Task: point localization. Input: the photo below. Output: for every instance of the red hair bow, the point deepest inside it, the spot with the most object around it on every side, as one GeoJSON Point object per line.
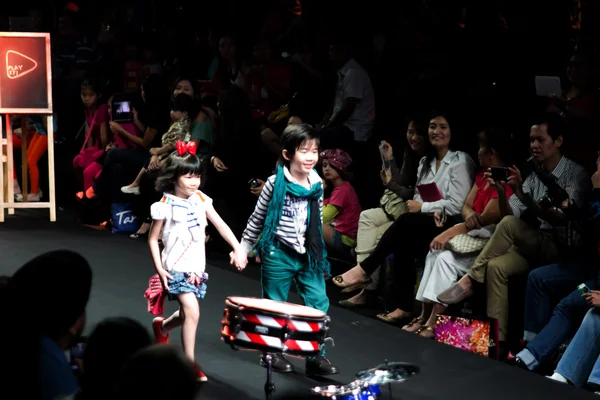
{"type": "Point", "coordinates": [186, 147]}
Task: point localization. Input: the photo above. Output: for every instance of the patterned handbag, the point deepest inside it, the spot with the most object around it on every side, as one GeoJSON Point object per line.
{"type": "Point", "coordinates": [466, 244]}
{"type": "Point", "coordinates": [393, 205]}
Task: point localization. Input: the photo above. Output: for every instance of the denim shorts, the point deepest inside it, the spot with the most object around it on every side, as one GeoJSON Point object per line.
{"type": "Point", "coordinates": [180, 284]}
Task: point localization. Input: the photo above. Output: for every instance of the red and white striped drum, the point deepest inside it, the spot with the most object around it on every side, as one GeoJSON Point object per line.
{"type": "Point", "coordinates": [273, 326]}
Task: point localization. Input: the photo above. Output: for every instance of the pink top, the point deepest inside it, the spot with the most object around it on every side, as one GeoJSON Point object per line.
{"type": "Point", "coordinates": [344, 198]}
{"type": "Point", "coordinates": [485, 194]}
{"type": "Point", "coordinates": [94, 121]}
{"type": "Point", "coordinates": [125, 143]}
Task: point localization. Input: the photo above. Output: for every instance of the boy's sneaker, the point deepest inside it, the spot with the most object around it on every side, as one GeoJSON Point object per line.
{"type": "Point", "coordinates": [200, 376]}
{"type": "Point", "coordinates": [159, 337]}
{"type": "Point", "coordinates": [278, 363]}
{"type": "Point", "coordinates": [320, 366]}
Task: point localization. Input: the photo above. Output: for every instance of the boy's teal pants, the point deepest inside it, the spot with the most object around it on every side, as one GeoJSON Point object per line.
{"type": "Point", "coordinates": [282, 265]}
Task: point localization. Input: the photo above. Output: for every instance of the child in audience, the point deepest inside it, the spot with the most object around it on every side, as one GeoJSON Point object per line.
{"type": "Point", "coordinates": [118, 141]}
{"type": "Point", "coordinates": [342, 209]}
{"type": "Point", "coordinates": [96, 134]}
{"type": "Point", "coordinates": [37, 144]}
{"type": "Point", "coordinates": [180, 219]}
{"type": "Point", "coordinates": [182, 113]}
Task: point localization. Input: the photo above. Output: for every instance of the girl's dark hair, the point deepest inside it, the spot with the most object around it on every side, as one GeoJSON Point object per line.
{"type": "Point", "coordinates": [185, 103]}
{"type": "Point", "coordinates": [421, 124]}
{"type": "Point", "coordinates": [174, 167]}
{"type": "Point", "coordinates": [293, 137]}
{"type": "Point", "coordinates": [98, 86]}
{"type": "Point", "coordinates": [104, 358]}
{"type": "Point", "coordinates": [500, 141]}
{"type": "Point", "coordinates": [194, 82]}
{"type": "Point", "coordinates": [431, 152]}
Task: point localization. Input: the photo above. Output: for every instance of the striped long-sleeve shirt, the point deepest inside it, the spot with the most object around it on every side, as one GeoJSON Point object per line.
{"type": "Point", "coordinates": [293, 223]}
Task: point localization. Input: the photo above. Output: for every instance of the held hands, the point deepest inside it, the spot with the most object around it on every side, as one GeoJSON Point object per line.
{"type": "Point", "coordinates": [593, 298]}
{"type": "Point", "coordinates": [238, 258]}
{"type": "Point", "coordinates": [414, 206]}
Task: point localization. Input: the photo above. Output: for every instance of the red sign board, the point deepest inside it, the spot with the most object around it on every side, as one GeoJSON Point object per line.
{"type": "Point", "coordinates": [25, 73]}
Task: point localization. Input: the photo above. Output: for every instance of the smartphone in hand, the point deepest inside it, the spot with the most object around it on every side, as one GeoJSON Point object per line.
{"type": "Point", "coordinates": [500, 174]}
{"type": "Point", "coordinates": [583, 289]}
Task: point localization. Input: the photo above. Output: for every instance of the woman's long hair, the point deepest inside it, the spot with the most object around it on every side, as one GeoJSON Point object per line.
{"type": "Point", "coordinates": [431, 152]}
{"type": "Point", "coordinates": [421, 124]}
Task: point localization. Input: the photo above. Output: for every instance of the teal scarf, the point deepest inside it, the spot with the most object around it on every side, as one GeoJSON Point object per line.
{"type": "Point", "coordinates": [315, 246]}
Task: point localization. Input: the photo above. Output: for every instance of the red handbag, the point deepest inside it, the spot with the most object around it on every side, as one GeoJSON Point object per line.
{"type": "Point", "coordinates": [156, 295]}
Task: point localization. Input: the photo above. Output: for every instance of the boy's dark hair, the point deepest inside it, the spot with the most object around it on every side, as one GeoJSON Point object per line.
{"type": "Point", "coordinates": [293, 137]}
{"type": "Point", "coordinates": [499, 140]}
{"type": "Point", "coordinates": [556, 124]}
{"type": "Point", "coordinates": [174, 167]}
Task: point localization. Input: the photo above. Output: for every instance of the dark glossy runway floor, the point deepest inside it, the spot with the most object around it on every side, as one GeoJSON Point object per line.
{"type": "Point", "coordinates": [121, 270]}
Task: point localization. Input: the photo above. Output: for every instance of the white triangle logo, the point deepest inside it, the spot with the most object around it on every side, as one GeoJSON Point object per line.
{"type": "Point", "coordinates": [18, 64]}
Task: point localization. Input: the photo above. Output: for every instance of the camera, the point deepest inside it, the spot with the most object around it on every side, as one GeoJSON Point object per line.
{"type": "Point", "coordinates": [253, 183]}
{"type": "Point", "coordinates": [545, 202]}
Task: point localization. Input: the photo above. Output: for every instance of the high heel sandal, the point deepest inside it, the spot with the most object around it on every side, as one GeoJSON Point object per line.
{"type": "Point", "coordinates": [418, 320]}
{"type": "Point", "coordinates": [389, 319]}
{"type": "Point", "coordinates": [426, 331]}
{"type": "Point", "coordinates": [339, 282]}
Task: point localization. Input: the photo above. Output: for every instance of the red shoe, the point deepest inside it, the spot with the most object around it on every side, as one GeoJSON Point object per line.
{"type": "Point", "coordinates": [200, 376]}
{"type": "Point", "coordinates": [159, 337]}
